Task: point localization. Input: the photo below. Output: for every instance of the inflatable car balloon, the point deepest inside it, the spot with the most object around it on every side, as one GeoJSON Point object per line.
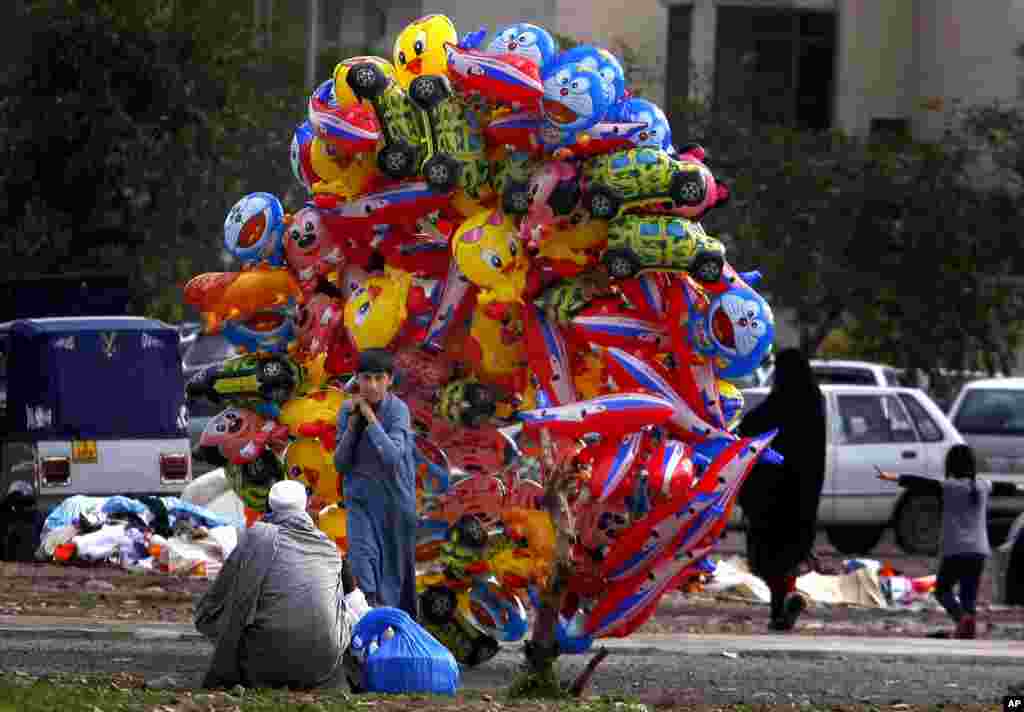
{"type": "Point", "coordinates": [376, 312]}
{"type": "Point", "coordinates": [651, 128]}
{"type": "Point", "coordinates": [525, 40]}
{"type": "Point", "coordinates": [518, 130]}
{"type": "Point", "coordinates": [299, 155]}
{"type": "Point", "coordinates": [268, 331]}
{"type": "Point", "coordinates": [242, 436]}
{"type": "Point", "coordinates": [715, 193]}
{"type": "Point", "coordinates": [310, 249]}
{"type": "Point", "coordinates": [254, 228]}
{"type": "Point", "coordinates": [487, 250]}
{"type": "Point", "coordinates": [574, 100]}
{"type": "Point", "coordinates": [610, 415]}
{"type": "Point", "coordinates": [736, 332]}
{"type": "Point", "coordinates": [601, 62]}
{"type": "Point", "coordinates": [309, 462]}
{"type": "Point", "coordinates": [221, 296]}
{"type": "Point", "coordinates": [548, 358]}
{"type": "Point", "coordinates": [350, 129]}
{"type": "Point", "coordinates": [342, 93]}
{"type": "Point", "coordinates": [507, 79]}
{"type": "Point", "coordinates": [420, 48]}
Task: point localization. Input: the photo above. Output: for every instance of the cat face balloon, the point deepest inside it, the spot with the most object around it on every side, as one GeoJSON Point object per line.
{"type": "Point", "coordinates": [253, 230]}
{"type": "Point", "coordinates": [526, 40]}
{"type": "Point", "coordinates": [604, 63]}
{"type": "Point", "coordinates": [574, 96]}
{"type": "Point", "coordinates": [655, 134]}
{"type": "Point", "coordinates": [736, 331]}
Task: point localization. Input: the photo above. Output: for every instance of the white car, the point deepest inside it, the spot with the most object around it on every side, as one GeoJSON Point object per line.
{"type": "Point", "coordinates": [989, 413]}
{"type": "Point", "coordinates": [849, 373]}
{"type": "Point", "coordinates": [896, 429]}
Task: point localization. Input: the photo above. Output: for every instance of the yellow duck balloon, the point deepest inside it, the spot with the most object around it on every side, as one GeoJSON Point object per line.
{"type": "Point", "coordinates": [419, 48]}
{"type": "Point", "coordinates": [376, 311]}
{"type": "Point", "coordinates": [487, 249]}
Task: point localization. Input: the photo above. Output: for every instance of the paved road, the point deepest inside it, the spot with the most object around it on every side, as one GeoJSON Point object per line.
{"type": "Point", "coordinates": [706, 669]}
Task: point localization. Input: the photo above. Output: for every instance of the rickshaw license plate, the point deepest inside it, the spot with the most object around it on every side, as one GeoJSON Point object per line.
{"type": "Point", "coordinates": [84, 451]}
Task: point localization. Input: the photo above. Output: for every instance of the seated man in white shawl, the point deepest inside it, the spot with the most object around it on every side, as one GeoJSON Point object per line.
{"type": "Point", "coordinates": [276, 612]}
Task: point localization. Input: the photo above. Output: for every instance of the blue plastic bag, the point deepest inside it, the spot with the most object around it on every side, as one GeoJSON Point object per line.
{"type": "Point", "coordinates": [409, 661]}
{"type": "Point", "coordinates": [180, 509]}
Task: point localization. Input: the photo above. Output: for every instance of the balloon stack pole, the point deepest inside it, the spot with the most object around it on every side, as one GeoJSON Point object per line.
{"type": "Point", "coordinates": [541, 651]}
{"type": "Point", "coordinates": [583, 679]}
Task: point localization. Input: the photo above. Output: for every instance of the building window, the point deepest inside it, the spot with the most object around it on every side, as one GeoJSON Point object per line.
{"type": "Point", "coordinates": [776, 65]}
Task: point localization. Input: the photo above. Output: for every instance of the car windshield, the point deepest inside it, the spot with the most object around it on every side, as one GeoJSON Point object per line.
{"type": "Point", "coordinates": [991, 411]}
{"type": "Point", "coordinates": [845, 376]}
{"type": "Point", "coordinates": [209, 349]}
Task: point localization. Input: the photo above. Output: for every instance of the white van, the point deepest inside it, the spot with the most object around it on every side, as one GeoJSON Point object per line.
{"type": "Point", "coordinates": [95, 406]}
{"type": "Point", "coordinates": [899, 430]}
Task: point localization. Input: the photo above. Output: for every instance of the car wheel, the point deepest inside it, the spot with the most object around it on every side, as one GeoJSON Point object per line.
{"type": "Point", "coordinates": [442, 173]}
{"type": "Point", "coordinates": [396, 161]}
{"type": "Point", "coordinates": [366, 80]}
{"type": "Point", "coordinates": [272, 371]}
{"type": "Point", "coordinates": [602, 203]}
{"type": "Point", "coordinates": [620, 264]}
{"type": "Point", "coordinates": [516, 200]}
{"type": "Point", "coordinates": [471, 532]}
{"type": "Point", "coordinates": [851, 540]}
{"type": "Point", "coordinates": [265, 470]}
{"type": "Point", "coordinates": [707, 267]}
{"type": "Point", "coordinates": [918, 523]}
{"type": "Point", "coordinates": [688, 188]}
{"type": "Point", "coordinates": [484, 648]}
{"type": "Point", "coordinates": [437, 605]}
{"type": "Point", "coordinates": [428, 92]}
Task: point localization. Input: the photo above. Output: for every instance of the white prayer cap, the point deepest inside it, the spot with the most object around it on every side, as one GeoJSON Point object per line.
{"type": "Point", "coordinates": [288, 495]}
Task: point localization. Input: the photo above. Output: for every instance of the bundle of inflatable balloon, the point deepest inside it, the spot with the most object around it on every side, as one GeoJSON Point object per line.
{"type": "Point", "coordinates": [523, 234]}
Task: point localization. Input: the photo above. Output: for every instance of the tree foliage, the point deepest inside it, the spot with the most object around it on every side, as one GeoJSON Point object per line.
{"type": "Point", "coordinates": [911, 246]}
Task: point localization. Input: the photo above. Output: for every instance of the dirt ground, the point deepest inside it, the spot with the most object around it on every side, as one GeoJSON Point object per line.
{"type": "Point", "coordinates": [104, 593]}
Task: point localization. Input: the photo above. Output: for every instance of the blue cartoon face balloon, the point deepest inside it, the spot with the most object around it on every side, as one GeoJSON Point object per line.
{"type": "Point", "coordinates": [604, 63]}
{"type": "Point", "coordinates": [574, 99]}
{"type": "Point", "coordinates": [530, 41]}
{"type": "Point", "coordinates": [254, 230]}
{"type": "Point", "coordinates": [736, 331]}
{"type": "Point", "coordinates": [656, 134]}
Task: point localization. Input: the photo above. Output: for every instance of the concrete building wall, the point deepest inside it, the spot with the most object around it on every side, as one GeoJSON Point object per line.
{"type": "Point", "coordinates": [874, 63]}
{"type": "Point", "coordinates": [642, 25]}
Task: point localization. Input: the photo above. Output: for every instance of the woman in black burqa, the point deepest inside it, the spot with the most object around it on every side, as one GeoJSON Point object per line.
{"type": "Point", "coordinates": [781, 501]}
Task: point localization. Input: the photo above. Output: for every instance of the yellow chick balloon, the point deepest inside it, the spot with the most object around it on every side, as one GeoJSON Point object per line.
{"type": "Point", "coordinates": [419, 48]}
{"type": "Point", "coordinates": [343, 94]}
{"type": "Point", "coordinates": [333, 521]}
{"type": "Point", "coordinates": [487, 249]}
{"type": "Point", "coordinates": [376, 311]}
{"type": "Point", "coordinates": [307, 461]}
